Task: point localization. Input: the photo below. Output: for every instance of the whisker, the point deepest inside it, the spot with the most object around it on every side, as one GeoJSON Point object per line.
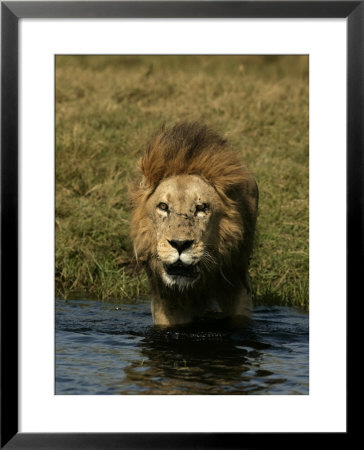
{"type": "Point", "coordinates": [224, 277]}
{"type": "Point", "coordinates": [208, 259]}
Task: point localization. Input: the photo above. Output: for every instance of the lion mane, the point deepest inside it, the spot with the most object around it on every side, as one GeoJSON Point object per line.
{"type": "Point", "coordinates": [194, 151]}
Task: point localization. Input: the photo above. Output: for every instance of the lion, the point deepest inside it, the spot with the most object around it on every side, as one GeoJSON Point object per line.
{"type": "Point", "coordinates": [194, 211]}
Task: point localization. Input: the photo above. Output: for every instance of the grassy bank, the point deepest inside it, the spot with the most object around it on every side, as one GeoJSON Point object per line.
{"type": "Point", "coordinates": [106, 109]}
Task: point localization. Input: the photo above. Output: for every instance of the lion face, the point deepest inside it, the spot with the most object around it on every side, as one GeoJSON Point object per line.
{"type": "Point", "coordinates": [182, 210]}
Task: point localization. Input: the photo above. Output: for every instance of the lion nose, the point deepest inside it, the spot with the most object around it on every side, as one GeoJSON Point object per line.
{"type": "Point", "coordinates": [181, 245]}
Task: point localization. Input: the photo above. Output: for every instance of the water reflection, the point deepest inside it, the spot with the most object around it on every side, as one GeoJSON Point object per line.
{"type": "Point", "coordinates": [201, 362]}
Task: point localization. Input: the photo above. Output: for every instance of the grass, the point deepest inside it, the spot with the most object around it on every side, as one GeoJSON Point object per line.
{"type": "Point", "coordinates": [107, 107]}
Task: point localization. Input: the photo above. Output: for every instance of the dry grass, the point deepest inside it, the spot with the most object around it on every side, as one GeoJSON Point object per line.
{"type": "Point", "coordinates": [106, 109]}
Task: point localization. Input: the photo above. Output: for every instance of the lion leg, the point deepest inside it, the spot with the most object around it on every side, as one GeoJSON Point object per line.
{"type": "Point", "coordinates": [165, 316]}
{"type": "Point", "coordinates": [244, 302]}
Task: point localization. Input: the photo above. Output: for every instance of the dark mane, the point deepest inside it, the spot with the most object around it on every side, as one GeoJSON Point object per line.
{"type": "Point", "coordinates": [192, 148]}
{"type": "Point", "coordinates": [191, 138]}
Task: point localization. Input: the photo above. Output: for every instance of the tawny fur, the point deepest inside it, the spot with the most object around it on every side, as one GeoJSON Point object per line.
{"type": "Point", "coordinates": [186, 154]}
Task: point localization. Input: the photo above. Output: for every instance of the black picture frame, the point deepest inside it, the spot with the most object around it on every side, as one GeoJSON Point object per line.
{"type": "Point", "coordinates": [11, 12]}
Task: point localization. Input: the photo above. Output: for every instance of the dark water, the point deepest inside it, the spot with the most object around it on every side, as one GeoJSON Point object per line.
{"type": "Point", "coordinates": [103, 348]}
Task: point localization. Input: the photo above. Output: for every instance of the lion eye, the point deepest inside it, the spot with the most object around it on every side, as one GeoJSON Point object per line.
{"type": "Point", "coordinates": [163, 206]}
{"type": "Point", "coordinates": [203, 207]}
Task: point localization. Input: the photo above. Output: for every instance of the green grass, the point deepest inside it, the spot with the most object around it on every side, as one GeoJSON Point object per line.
{"type": "Point", "coordinates": [107, 107]}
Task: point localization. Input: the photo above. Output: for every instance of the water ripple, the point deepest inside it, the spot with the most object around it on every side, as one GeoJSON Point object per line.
{"type": "Point", "coordinates": [114, 349]}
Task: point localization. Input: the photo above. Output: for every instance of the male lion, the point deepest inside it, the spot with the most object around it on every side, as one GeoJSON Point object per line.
{"type": "Point", "coordinates": [192, 224]}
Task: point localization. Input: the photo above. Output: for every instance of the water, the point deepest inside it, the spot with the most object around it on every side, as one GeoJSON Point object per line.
{"type": "Point", "coordinates": [104, 348]}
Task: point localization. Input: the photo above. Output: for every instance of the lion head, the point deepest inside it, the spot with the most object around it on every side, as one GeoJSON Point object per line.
{"type": "Point", "coordinates": [192, 223]}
